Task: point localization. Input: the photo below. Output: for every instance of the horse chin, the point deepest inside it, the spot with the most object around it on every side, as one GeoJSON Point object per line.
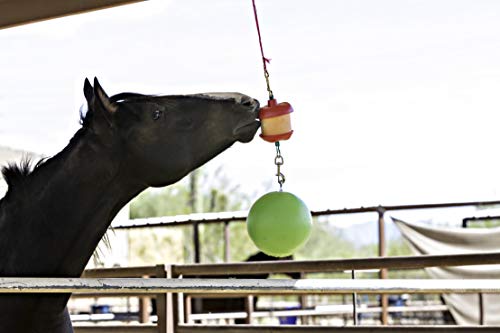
{"type": "Point", "coordinates": [247, 132]}
{"type": "Point", "coordinates": [159, 184]}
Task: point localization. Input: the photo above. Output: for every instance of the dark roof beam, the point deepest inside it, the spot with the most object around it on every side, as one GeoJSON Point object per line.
{"type": "Point", "coordinates": [18, 12]}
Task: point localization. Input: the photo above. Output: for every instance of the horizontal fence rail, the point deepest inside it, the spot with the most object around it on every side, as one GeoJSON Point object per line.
{"type": "Point", "coordinates": [123, 272]}
{"type": "Point", "coordinates": [240, 216]}
{"type": "Point", "coordinates": [345, 309]}
{"type": "Point", "coordinates": [350, 329]}
{"type": "Point", "coordinates": [129, 328]}
{"type": "Point", "coordinates": [325, 266]}
{"type": "Point", "coordinates": [244, 286]}
{"type": "Point", "coordinates": [288, 329]}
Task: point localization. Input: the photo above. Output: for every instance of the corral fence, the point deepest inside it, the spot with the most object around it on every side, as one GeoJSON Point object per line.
{"type": "Point", "coordinates": [171, 285]}
{"type": "Point", "coordinates": [195, 220]}
{"type": "Point", "coordinates": [174, 285]}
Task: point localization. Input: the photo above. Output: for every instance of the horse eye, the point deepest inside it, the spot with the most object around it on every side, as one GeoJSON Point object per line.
{"type": "Point", "coordinates": [156, 115]}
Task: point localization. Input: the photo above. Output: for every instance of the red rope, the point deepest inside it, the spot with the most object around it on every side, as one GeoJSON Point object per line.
{"type": "Point", "coordinates": [265, 60]}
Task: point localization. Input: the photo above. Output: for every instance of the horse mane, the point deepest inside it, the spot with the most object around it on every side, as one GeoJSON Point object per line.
{"type": "Point", "coordinates": [126, 96]}
{"type": "Point", "coordinates": [17, 174]}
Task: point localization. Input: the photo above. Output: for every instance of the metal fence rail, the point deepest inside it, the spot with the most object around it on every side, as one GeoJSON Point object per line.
{"type": "Point", "coordinates": [240, 216]}
{"type": "Point", "coordinates": [289, 329]}
{"type": "Point", "coordinates": [246, 286]}
{"type": "Point", "coordinates": [324, 266]}
{"type": "Point", "coordinates": [336, 310]}
{"type": "Point", "coordinates": [130, 328]}
{"type": "Point", "coordinates": [350, 329]}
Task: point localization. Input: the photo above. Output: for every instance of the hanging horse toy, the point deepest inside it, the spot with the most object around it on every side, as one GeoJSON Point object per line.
{"type": "Point", "coordinates": [279, 222]}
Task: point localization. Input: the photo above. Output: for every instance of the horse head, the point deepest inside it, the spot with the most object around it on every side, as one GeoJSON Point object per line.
{"type": "Point", "coordinates": [54, 215]}
{"type": "Point", "coordinates": [160, 139]}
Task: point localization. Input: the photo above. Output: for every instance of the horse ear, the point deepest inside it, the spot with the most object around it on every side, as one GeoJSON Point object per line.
{"type": "Point", "coordinates": [88, 91]}
{"type": "Point", "coordinates": [102, 98]}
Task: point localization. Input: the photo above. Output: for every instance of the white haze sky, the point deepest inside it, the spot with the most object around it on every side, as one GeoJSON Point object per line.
{"type": "Point", "coordinates": [395, 101]}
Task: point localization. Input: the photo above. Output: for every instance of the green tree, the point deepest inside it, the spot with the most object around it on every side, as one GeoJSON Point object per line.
{"type": "Point", "coordinates": [486, 223]}
{"type": "Point", "coordinates": [325, 243]}
{"type": "Point", "coordinates": [212, 193]}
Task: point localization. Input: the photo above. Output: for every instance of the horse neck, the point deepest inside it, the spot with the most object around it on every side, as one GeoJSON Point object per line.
{"type": "Point", "coordinates": [75, 196]}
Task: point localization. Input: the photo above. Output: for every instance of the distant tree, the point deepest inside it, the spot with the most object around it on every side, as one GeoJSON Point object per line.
{"type": "Point", "coordinates": [214, 193]}
{"type": "Point", "coordinates": [170, 200]}
{"type": "Point", "coordinates": [486, 223]}
{"type": "Point", "coordinates": [325, 243]}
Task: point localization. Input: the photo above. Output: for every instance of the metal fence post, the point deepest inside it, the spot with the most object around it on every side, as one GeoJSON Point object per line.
{"type": "Point", "coordinates": [354, 302]}
{"type": "Point", "coordinates": [227, 242]}
{"type": "Point", "coordinates": [383, 272]}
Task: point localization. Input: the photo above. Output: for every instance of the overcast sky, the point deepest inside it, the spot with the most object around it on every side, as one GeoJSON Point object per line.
{"type": "Point", "coordinates": [395, 101]}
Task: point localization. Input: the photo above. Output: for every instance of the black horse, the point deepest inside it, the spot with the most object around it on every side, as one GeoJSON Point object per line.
{"type": "Point", "coordinates": [54, 214]}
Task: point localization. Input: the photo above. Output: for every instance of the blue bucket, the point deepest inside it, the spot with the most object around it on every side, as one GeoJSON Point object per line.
{"type": "Point", "coordinates": [289, 320]}
{"type": "Point", "coordinates": [100, 309]}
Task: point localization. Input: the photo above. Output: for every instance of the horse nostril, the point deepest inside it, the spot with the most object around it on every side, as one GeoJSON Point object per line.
{"type": "Point", "coordinates": [250, 104]}
{"type": "Point", "coordinates": [247, 102]}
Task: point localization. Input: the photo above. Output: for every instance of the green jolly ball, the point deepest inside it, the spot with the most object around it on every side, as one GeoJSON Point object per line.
{"type": "Point", "coordinates": [279, 223]}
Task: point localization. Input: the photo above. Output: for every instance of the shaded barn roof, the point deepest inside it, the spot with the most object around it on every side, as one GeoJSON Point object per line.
{"type": "Point", "coordinates": [17, 12]}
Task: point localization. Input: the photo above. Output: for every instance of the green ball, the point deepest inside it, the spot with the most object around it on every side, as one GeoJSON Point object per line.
{"type": "Point", "coordinates": [279, 223]}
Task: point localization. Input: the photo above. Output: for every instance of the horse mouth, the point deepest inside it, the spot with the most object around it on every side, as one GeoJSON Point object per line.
{"type": "Point", "coordinates": [246, 132]}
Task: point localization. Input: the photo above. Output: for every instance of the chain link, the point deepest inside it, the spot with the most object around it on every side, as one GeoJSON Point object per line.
{"type": "Point", "coordinates": [279, 161]}
{"type": "Point", "coordinates": [266, 75]}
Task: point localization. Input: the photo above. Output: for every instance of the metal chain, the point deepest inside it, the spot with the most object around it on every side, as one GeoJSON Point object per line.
{"type": "Point", "coordinates": [266, 75]}
{"type": "Point", "coordinates": [279, 161]}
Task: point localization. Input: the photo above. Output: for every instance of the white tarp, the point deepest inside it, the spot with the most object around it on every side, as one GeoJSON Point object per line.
{"type": "Point", "coordinates": [432, 241]}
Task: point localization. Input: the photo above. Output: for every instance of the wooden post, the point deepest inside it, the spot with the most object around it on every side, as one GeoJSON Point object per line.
{"type": "Point", "coordinates": [196, 242]}
{"type": "Point", "coordinates": [249, 309]}
{"type": "Point", "coordinates": [383, 272]}
{"type": "Point", "coordinates": [162, 309]}
{"type": "Point", "coordinates": [303, 304]}
{"type": "Point", "coordinates": [144, 307]}
{"type": "Point", "coordinates": [196, 302]}
{"type": "Point", "coordinates": [193, 204]}
{"type": "Point", "coordinates": [481, 309]}
{"type": "Point", "coordinates": [187, 309]}
{"type": "Point", "coordinates": [179, 300]}
{"type": "Point", "coordinates": [176, 313]}
{"type": "Point", "coordinates": [227, 242]}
